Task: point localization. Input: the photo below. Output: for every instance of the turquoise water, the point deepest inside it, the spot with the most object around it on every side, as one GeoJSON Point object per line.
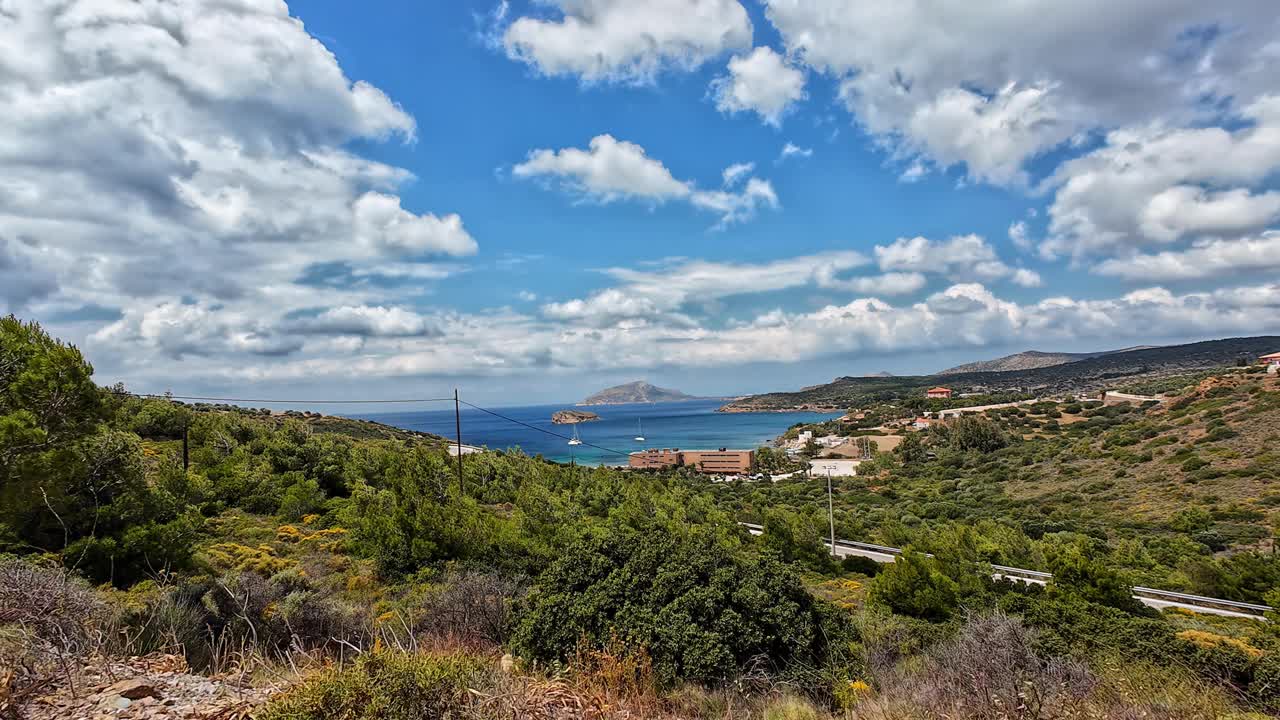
{"type": "Point", "coordinates": [692, 425]}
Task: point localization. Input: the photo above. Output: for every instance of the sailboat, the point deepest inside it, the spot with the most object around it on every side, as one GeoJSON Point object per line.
{"type": "Point", "coordinates": [576, 440]}
{"type": "Point", "coordinates": [639, 431]}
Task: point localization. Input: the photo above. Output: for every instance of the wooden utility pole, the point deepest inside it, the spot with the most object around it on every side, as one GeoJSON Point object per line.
{"type": "Point", "coordinates": [457, 422]}
{"type": "Point", "coordinates": [831, 515]}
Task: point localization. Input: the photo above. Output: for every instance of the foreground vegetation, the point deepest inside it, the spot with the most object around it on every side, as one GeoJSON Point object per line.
{"type": "Point", "coordinates": [350, 559]}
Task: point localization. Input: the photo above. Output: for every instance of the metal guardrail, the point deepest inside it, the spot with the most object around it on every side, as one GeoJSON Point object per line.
{"type": "Point", "coordinates": [1201, 600]}
{"type": "Point", "coordinates": [1138, 591]}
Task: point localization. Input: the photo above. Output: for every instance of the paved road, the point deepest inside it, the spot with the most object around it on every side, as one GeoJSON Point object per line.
{"type": "Point", "coordinates": [882, 554]}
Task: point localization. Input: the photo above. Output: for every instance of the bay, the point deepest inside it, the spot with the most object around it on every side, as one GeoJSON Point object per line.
{"type": "Point", "coordinates": [688, 425]}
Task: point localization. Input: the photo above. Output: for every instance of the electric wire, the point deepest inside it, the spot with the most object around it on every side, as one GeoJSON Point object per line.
{"type": "Point", "coordinates": [371, 402]}
{"type": "Point", "coordinates": [541, 430]}
{"type": "Point", "coordinates": [281, 402]}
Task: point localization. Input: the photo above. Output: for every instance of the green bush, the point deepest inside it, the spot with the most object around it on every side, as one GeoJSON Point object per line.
{"type": "Point", "coordinates": [914, 584]}
{"type": "Point", "coordinates": [974, 432]}
{"type": "Point", "coordinates": [383, 686]}
{"type": "Point", "coordinates": [1193, 463]}
{"type": "Point", "coordinates": [1079, 568]}
{"type": "Point", "coordinates": [1069, 626]}
{"type": "Point", "coordinates": [1191, 520]}
{"type": "Point", "coordinates": [701, 609]}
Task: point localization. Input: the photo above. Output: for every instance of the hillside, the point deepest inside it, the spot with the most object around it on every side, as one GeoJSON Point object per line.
{"type": "Point", "coordinates": [355, 428]}
{"type": "Point", "coordinates": [1030, 360]}
{"type": "Point", "coordinates": [1167, 486]}
{"type": "Point", "coordinates": [1089, 375]}
{"type": "Point", "coordinates": [635, 392]}
{"type": "Point", "coordinates": [161, 561]}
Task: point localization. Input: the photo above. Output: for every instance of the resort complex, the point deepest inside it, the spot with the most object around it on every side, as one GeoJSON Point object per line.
{"type": "Point", "coordinates": [708, 461]}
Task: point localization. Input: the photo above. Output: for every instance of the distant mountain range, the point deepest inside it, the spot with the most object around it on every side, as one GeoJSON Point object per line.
{"type": "Point", "coordinates": [1032, 359]}
{"type": "Point", "coordinates": [1088, 372]}
{"type": "Point", "coordinates": [635, 392]}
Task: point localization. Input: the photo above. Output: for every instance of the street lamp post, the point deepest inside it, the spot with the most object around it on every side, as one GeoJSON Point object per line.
{"type": "Point", "coordinates": [831, 516]}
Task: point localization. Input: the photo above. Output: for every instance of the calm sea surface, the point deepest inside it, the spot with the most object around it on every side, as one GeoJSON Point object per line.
{"type": "Point", "coordinates": [692, 425]}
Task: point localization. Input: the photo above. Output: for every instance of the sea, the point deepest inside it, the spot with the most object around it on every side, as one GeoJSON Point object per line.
{"type": "Point", "coordinates": [688, 425]}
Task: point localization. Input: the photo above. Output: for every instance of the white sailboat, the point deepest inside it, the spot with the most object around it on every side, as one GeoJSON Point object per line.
{"type": "Point", "coordinates": [575, 440]}
{"type": "Point", "coordinates": [639, 431]}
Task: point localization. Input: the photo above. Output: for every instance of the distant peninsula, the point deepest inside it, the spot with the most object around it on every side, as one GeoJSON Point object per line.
{"type": "Point", "coordinates": [636, 392]}
{"type": "Point", "coordinates": [572, 417]}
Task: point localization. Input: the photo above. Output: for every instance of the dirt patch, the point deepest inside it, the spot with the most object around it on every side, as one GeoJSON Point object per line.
{"type": "Point", "coordinates": [155, 687]}
{"type": "Point", "coordinates": [886, 443]}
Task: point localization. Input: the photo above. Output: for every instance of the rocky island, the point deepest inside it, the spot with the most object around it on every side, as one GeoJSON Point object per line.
{"type": "Point", "coordinates": [635, 392]}
{"type": "Point", "coordinates": [573, 417]}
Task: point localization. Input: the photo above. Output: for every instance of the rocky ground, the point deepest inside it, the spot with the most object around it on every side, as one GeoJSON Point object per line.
{"type": "Point", "coordinates": [156, 687]}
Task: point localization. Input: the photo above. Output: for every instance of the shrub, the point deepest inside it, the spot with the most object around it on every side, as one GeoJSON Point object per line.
{"type": "Point", "coordinates": [1191, 520]}
{"type": "Point", "coordinates": [914, 584]}
{"type": "Point", "coordinates": [699, 608]}
{"type": "Point", "coordinates": [973, 432]}
{"type": "Point", "coordinates": [1218, 656]}
{"type": "Point", "coordinates": [383, 686]}
{"type": "Point", "coordinates": [859, 564]}
{"type": "Point", "coordinates": [1193, 464]}
{"type": "Point", "coordinates": [1079, 569]}
{"type": "Point", "coordinates": [301, 498]}
{"type": "Point", "coordinates": [469, 607]}
{"type": "Point", "coordinates": [1069, 626]}
{"type": "Point", "coordinates": [47, 617]}
{"type": "Point", "coordinates": [991, 669]}
{"type": "Point", "coordinates": [1265, 685]}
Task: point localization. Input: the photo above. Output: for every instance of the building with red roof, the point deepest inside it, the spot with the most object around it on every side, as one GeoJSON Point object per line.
{"type": "Point", "coordinates": [938, 393]}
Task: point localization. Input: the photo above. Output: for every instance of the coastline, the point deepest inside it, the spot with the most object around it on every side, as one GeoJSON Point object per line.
{"type": "Point", "coordinates": [608, 441]}
{"type": "Point", "coordinates": [731, 408]}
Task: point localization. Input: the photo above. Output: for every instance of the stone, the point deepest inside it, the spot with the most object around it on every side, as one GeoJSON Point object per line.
{"type": "Point", "coordinates": [134, 689]}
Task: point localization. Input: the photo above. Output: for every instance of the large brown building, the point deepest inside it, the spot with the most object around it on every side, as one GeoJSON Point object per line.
{"type": "Point", "coordinates": [709, 461]}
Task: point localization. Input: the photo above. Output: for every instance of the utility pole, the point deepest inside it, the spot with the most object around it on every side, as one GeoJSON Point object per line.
{"type": "Point", "coordinates": [457, 422]}
{"type": "Point", "coordinates": [831, 515]}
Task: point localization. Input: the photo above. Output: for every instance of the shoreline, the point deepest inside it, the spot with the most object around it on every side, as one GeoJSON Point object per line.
{"type": "Point", "coordinates": [732, 409]}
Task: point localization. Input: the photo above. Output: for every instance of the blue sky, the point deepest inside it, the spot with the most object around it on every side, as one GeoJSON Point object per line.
{"type": "Point", "coordinates": [532, 200]}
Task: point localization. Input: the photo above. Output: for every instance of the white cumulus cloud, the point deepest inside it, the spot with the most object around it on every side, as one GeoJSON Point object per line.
{"type": "Point", "coordinates": [609, 170]}
{"type": "Point", "coordinates": [1152, 185]}
{"type": "Point", "coordinates": [187, 167]}
{"type": "Point", "coordinates": [626, 41]}
{"type": "Point", "coordinates": [761, 82]}
{"type": "Point", "coordinates": [1205, 259]}
{"type": "Point", "coordinates": [992, 85]}
{"type": "Point", "coordinates": [961, 258]}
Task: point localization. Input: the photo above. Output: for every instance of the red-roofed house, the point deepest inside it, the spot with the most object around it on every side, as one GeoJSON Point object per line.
{"type": "Point", "coordinates": [1273, 360]}
{"type": "Point", "coordinates": [938, 392]}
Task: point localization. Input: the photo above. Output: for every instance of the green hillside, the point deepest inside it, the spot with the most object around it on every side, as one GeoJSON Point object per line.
{"type": "Point", "coordinates": [304, 568]}
{"type": "Point", "coordinates": [1089, 375]}
{"type": "Point", "coordinates": [1174, 491]}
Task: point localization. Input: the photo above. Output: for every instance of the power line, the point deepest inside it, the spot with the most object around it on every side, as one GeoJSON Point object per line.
{"type": "Point", "coordinates": [541, 430]}
{"type": "Point", "coordinates": [282, 402]}
{"type": "Point", "coordinates": [368, 402]}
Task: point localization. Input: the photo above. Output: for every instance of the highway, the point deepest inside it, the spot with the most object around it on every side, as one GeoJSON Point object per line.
{"type": "Point", "coordinates": [1151, 597]}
